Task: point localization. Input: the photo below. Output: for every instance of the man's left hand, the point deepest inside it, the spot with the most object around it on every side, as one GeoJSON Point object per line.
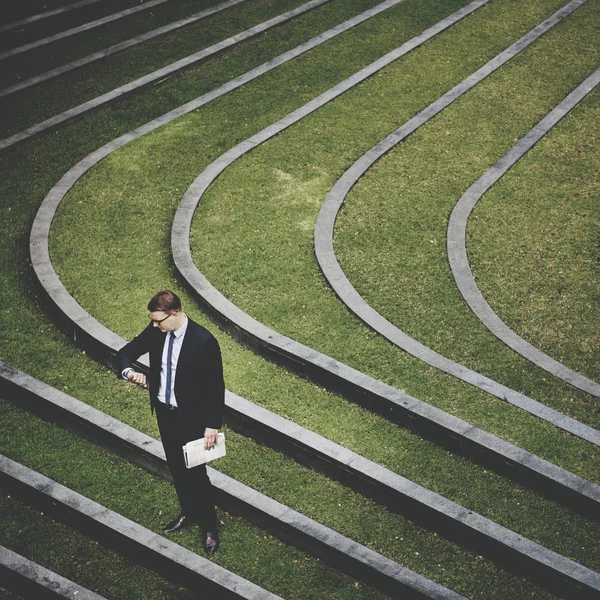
{"type": "Point", "coordinates": [210, 437]}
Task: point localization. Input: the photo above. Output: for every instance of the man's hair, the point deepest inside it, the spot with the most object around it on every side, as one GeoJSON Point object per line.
{"type": "Point", "coordinates": [164, 301]}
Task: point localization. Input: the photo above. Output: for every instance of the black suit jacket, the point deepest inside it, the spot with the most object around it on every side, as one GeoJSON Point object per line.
{"type": "Point", "coordinates": [199, 385]}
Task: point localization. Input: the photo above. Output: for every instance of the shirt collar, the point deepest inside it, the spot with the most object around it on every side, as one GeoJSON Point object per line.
{"type": "Point", "coordinates": [181, 331]}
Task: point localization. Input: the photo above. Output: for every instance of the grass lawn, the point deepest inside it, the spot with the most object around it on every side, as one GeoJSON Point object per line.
{"type": "Point", "coordinates": [274, 275]}
{"type": "Point", "coordinates": [112, 272]}
{"type": "Point", "coordinates": [137, 495]}
{"type": "Point", "coordinates": [533, 243]}
{"type": "Point", "coordinates": [246, 550]}
{"type": "Point", "coordinates": [35, 104]}
{"type": "Point", "coordinates": [69, 553]}
{"type": "Point", "coordinates": [39, 60]}
{"type": "Point", "coordinates": [97, 258]}
{"type": "Point", "coordinates": [399, 212]}
{"type": "Point", "coordinates": [52, 25]}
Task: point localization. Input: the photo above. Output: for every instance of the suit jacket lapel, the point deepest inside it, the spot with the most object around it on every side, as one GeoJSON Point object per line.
{"type": "Point", "coordinates": [184, 354]}
{"type": "Point", "coordinates": [157, 350]}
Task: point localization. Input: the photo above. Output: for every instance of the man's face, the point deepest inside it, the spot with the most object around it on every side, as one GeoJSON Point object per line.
{"type": "Point", "coordinates": [165, 321]}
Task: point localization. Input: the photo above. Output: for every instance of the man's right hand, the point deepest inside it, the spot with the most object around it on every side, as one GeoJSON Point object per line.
{"type": "Point", "coordinates": [138, 379]}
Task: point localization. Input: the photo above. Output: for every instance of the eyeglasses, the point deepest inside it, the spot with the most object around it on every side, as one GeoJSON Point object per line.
{"type": "Point", "coordinates": [159, 321]}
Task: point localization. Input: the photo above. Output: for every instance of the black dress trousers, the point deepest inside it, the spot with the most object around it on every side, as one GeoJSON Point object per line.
{"type": "Point", "coordinates": [194, 490]}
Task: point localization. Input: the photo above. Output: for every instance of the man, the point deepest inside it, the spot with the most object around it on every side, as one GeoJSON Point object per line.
{"type": "Point", "coordinates": [188, 394]}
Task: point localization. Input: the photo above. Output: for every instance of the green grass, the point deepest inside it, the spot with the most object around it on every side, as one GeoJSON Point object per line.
{"type": "Point", "coordinates": [128, 490]}
{"type": "Point", "coordinates": [246, 550]}
{"type": "Point", "coordinates": [60, 52]}
{"type": "Point", "coordinates": [534, 246]}
{"type": "Point", "coordinates": [267, 267]}
{"type": "Point", "coordinates": [274, 275]}
{"type": "Point", "coordinates": [399, 213]}
{"type": "Point", "coordinates": [35, 104]}
{"type": "Point", "coordinates": [67, 552]}
{"type": "Point", "coordinates": [52, 25]}
{"type": "Point", "coordinates": [149, 176]}
{"type": "Point", "coordinates": [126, 269]}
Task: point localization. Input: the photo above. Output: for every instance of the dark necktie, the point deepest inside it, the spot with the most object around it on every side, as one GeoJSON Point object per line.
{"type": "Point", "coordinates": [169, 357]}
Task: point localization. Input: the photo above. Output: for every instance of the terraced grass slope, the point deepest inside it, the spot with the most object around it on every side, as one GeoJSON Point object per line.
{"type": "Point", "coordinates": [24, 108]}
{"type": "Point", "coordinates": [60, 548]}
{"type": "Point", "coordinates": [111, 247]}
{"type": "Point", "coordinates": [278, 270]}
{"type": "Point", "coordinates": [558, 295]}
{"type": "Point", "coordinates": [129, 491]}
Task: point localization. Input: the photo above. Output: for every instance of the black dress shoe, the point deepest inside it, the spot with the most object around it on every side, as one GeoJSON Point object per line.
{"type": "Point", "coordinates": [211, 542]}
{"type": "Point", "coordinates": [179, 523]}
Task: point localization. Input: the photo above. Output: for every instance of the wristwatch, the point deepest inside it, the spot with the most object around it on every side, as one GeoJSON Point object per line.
{"type": "Point", "coordinates": [126, 372]}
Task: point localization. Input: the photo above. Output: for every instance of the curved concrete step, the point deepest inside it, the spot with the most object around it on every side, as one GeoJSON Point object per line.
{"type": "Point", "coordinates": [457, 248]}
{"type": "Point", "coordinates": [335, 276]}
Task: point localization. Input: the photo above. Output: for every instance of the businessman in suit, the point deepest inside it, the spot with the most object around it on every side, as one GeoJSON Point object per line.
{"type": "Point", "coordinates": [187, 393]}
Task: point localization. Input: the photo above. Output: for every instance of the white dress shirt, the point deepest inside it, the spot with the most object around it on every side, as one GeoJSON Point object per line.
{"type": "Point", "coordinates": [177, 343]}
